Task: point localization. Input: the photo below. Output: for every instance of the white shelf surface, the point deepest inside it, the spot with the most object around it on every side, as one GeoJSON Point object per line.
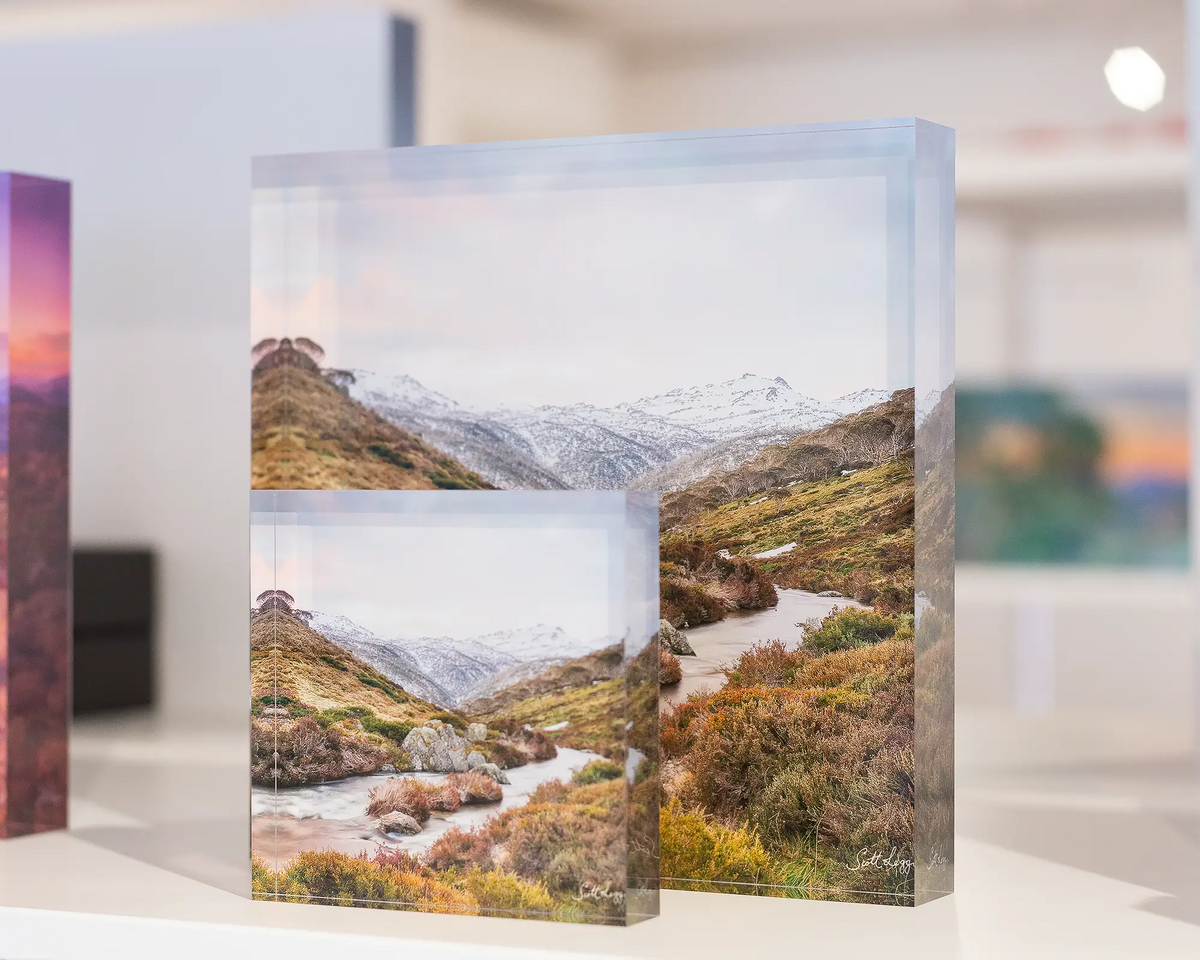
{"type": "Point", "coordinates": [156, 864]}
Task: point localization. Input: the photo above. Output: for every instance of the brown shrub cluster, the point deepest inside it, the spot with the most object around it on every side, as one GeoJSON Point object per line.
{"type": "Point", "coordinates": [406, 795]}
{"type": "Point", "coordinates": [309, 753]}
{"type": "Point", "coordinates": [566, 836]}
{"type": "Point", "coordinates": [669, 671]}
{"type": "Point", "coordinates": [515, 746]}
{"type": "Point", "coordinates": [699, 585]}
{"type": "Point", "coordinates": [685, 603]}
{"type": "Point", "coordinates": [474, 787]}
{"type": "Point", "coordinates": [460, 848]}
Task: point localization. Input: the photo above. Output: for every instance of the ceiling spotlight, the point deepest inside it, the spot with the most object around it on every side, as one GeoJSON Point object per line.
{"type": "Point", "coordinates": [1135, 78]}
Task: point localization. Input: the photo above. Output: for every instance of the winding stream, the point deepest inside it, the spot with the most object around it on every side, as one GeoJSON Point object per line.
{"type": "Point", "coordinates": [332, 816]}
{"type": "Point", "coordinates": [719, 644]}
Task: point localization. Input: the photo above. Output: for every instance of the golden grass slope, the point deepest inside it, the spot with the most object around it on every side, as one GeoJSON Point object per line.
{"type": "Point", "coordinates": [873, 436]}
{"type": "Point", "coordinates": [589, 693]}
{"type": "Point", "coordinates": [309, 436]}
{"type": "Point", "coordinates": [853, 534]}
{"type": "Point", "coordinates": [286, 653]}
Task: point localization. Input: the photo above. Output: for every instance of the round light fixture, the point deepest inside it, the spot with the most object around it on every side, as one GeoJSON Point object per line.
{"type": "Point", "coordinates": [1135, 78]}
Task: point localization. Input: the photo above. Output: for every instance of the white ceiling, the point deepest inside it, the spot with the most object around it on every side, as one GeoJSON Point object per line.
{"type": "Point", "coordinates": [639, 21]}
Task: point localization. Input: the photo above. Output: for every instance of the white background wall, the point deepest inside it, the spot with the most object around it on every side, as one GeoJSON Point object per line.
{"type": "Point", "coordinates": [1073, 260]}
{"type": "Point", "coordinates": [156, 129]}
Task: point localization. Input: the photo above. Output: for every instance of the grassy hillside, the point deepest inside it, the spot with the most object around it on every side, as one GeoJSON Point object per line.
{"type": "Point", "coordinates": [842, 494]}
{"type": "Point", "coordinates": [588, 693]}
{"type": "Point", "coordinates": [340, 717]}
{"type": "Point", "coordinates": [864, 439]}
{"type": "Point", "coordinates": [853, 534]}
{"type": "Point", "coordinates": [310, 670]}
{"type": "Point", "coordinates": [601, 665]}
{"type": "Point", "coordinates": [307, 435]}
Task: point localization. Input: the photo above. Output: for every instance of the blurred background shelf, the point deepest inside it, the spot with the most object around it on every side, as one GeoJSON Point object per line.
{"type": "Point", "coordinates": [1086, 862]}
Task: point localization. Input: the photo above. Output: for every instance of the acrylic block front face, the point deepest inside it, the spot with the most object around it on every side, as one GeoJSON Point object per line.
{"type": "Point", "coordinates": [35, 651]}
{"type": "Point", "coordinates": [453, 702]}
{"type": "Point", "coordinates": [754, 323]}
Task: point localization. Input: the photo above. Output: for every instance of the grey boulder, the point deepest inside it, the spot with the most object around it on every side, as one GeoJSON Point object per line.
{"type": "Point", "coordinates": [673, 641]}
{"type": "Point", "coordinates": [397, 822]}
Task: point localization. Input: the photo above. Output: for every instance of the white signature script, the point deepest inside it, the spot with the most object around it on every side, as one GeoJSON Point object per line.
{"type": "Point", "coordinates": [877, 858]}
{"type": "Point", "coordinates": [599, 891]}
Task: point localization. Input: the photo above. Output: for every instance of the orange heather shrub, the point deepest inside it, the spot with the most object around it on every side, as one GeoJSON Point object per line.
{"type": "Point", "coordinates": [460, 848]}
{"type": "Point", "coordinates": [669, 671]}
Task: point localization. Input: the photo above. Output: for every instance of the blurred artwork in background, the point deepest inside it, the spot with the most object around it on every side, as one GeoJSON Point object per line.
{"type": "Point", "coordinates": [1079, 474]}
{"type": "Point", "coordinates": [35, 629]}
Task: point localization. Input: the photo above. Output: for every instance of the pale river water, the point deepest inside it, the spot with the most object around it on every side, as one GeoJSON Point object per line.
{"type": "Point", "coordinates": [332, 816]}
{"type": "Point", "coordinates": [718, 645]}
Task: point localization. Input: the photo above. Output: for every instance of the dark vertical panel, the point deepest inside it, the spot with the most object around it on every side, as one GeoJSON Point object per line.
{"type": "Point", "coordinates": [404, 83]}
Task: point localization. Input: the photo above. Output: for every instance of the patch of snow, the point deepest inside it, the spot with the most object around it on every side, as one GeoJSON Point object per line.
{"type": "Point", "coordinates": [561, 725]}
{"type": "Point", "coordinates": [759, 500]}
{"type": "Point", "coordinates": [777, 552]}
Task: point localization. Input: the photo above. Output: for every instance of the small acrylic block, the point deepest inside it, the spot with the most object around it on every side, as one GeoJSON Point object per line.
{"type": "Point", "coordinates": [35, 617]}
{"type": "Point", "coordinates": [454, 701]}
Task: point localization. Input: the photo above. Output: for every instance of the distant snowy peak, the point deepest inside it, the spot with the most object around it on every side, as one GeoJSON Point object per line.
{"type": "Point", "coordinates": [749, 404]}
{"type": "Point", "coordinates": [859, 400]}
{"type": "Point", "coordinates": [400, 391]}
{"type": "Point", "coordinates": [540, 643]}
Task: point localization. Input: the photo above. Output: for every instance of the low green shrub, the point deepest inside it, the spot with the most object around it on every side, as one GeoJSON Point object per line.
{"type": "Point", "coordinates": [383, 684]}
{"type": "Point", "coordinates": [394, 730]}
{"type": "Point", "coordinates": [457, 722]}
{"type": "Point", "coordinates": [598, 771]}
{"type": "Point", "coordinates": [851, 627]}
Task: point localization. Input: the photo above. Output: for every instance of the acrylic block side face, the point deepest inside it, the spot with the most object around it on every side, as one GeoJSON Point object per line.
{"type": "Point", "coordinates": [727, 318]}
{"type": "Point", "coordinates": [36, 570]}
{"type": "Point", "coordinates": [443, 688]}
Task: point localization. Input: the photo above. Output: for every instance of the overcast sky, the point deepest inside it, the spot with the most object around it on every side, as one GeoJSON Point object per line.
{"type": "Point", "coordinates": [443, 580]}
{"type": "Point", "coordinates": [597, 296]}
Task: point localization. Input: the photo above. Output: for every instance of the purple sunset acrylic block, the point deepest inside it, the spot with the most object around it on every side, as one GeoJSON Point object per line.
{"type": "Point", "coordinates": [35, 622]}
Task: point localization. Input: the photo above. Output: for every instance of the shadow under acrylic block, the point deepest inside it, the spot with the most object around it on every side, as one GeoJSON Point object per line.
{"type": "Point", "coordinates": [35, 627]}
{"type": "Point", "coordinates": [757, 323]}
{"type": "Point", "coordinates": [454, 701]}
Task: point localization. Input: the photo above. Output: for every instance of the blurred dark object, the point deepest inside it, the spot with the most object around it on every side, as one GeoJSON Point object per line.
{"type": "Point", "coordinates": [114, 629]}
{"type": "Point", "coordinates": [1087, 474]}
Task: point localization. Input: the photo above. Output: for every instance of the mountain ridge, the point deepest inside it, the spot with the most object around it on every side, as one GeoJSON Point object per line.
{"type": "Point", "coordinates": [449, 671]}
{"type": "Point", "coordinates": [582, 446]}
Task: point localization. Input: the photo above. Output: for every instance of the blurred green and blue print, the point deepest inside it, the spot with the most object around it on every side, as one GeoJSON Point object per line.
{"type": "Point", "coordinates": [1085, 474]}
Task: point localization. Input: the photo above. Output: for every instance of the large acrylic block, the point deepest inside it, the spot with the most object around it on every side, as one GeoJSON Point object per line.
{"type": "Point", "coordinates": [758, 324]}
{"type": "Point", "coordinates": [35, 561]}
{"type": "Point", "coordinates": [454, 701]}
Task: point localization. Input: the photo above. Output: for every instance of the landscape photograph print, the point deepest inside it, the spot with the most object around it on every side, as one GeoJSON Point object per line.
{"type": "Point", "coordinates": [414, 751]}
{"type": "Point", "coordinates": [729, 343]}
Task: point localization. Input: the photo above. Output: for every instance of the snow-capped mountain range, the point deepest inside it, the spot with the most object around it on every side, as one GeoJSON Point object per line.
{"type": "Point", "coordinates": [607, 448]}
{"type": "Point", "coordinates": [449, 671]}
